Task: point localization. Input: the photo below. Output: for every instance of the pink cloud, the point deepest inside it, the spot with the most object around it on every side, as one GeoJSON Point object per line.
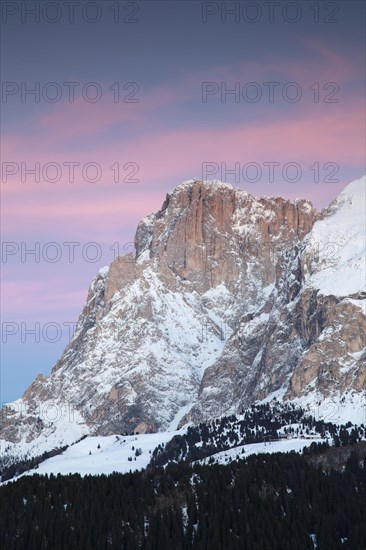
{"type": "Point", "coordinates": [303, 133]}
{"type": "Point", "coordinates": [71, 120]}
{"type": "Point", "coordinates": [335, 136]}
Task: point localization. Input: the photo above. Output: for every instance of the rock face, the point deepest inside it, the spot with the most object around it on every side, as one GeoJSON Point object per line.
{"type": "Point", "coordinates": [228, 299]}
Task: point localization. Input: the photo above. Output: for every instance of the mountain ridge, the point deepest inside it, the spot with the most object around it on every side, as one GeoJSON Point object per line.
{"type": "Point", "coordinates": [225, 292]}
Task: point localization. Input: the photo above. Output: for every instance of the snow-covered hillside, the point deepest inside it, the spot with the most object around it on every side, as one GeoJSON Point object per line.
{"type": "Point", "coordinates": [270, 447]}
{"type": "Point", "coordinates": [336, 246]}
{"type": "Point", "coordinates": [104, 455]}
{"type": "Point", "coordinates": [265, 428]}
{"type": "Point", "coordinates": [107, 454]}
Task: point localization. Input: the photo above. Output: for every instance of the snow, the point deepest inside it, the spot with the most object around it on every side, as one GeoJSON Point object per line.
{"type": "Point", "coordinates": [282, 446]}
{"type": "Point", "coordinates": [340, 408]}
{"type": "Point", "coordinates": [254, 324]}
{"type": "Point", "coordinates": [144, 256]}
{"type": "Point", "coordinates": [85, 458]}
{"type": "Point", "coordinates": [349, 406]}
{"type": "Point", "coordinates": [64, 426]}
{"type": "Point", "coordinates": [213, 184]}
{"type": "Point", "coordinates": [358, 354]}
{"type": "Point", "coordinates": [180, 414]}
{"type": "Point", "coordinates": [358, 303]}
{"type": "Point", "coordinates": [336, 246]}
{"type": "Point", "coordinates": [111, 457]}
{"type": "Point", "coordinates": [104, 271]}
{"type": "Point", "coordinates": [278, 394]}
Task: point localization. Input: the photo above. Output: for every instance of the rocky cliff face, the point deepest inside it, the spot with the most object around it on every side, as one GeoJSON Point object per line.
{"type": "Point", "coordinates": [229, 299]}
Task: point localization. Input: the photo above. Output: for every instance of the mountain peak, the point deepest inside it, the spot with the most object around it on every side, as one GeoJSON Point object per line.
{"type": "Point", "coordinates": [336, 262]}
{"type": "Point", "coordinates": [356, 188]}
{"type": "Point", "coordinates": [352, 197]}
{"type": "Point", "coordinates": [205, 230]}
{"type": "Point", "coordinates": [212, 185]}
{"type": "Point", "coordinates": [228, 300]}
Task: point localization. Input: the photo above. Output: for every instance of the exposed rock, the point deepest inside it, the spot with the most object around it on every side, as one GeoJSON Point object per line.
{"type": "Point", "coordinates": [228, 300]}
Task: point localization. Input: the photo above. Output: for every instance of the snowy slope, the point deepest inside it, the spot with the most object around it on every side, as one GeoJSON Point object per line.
{"type": "Point", "coordinates": [112, 455]}
{"type": "Point", "coordinates": [349, 406]}
{"type": "Point", "coordinates": [336, 246]}
{"type": "Point", "coordinates": [243, 451]}
{"type": "Point", "coordinates": [266, 428]}
{"type": "Point", "coordinates": [108, 454]}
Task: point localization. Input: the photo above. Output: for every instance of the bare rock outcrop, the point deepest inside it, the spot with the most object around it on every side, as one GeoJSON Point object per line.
{"type": "Point", "coordinates": [228, 300]}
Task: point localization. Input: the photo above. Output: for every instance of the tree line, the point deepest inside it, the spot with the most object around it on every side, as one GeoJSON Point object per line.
{"type": "Point", "coordinates": [267, 502]}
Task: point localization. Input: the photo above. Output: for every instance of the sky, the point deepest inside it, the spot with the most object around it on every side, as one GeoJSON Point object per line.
{"type": "Point", "coordinates": [106, 106]}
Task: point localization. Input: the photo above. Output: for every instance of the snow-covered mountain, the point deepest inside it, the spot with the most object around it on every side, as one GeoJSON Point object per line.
{"type": "Point", "coordinates": [230, 299]}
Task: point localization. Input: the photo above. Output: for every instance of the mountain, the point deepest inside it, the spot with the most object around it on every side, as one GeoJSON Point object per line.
{"type": "Point", "coordinates": [228, 300]}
